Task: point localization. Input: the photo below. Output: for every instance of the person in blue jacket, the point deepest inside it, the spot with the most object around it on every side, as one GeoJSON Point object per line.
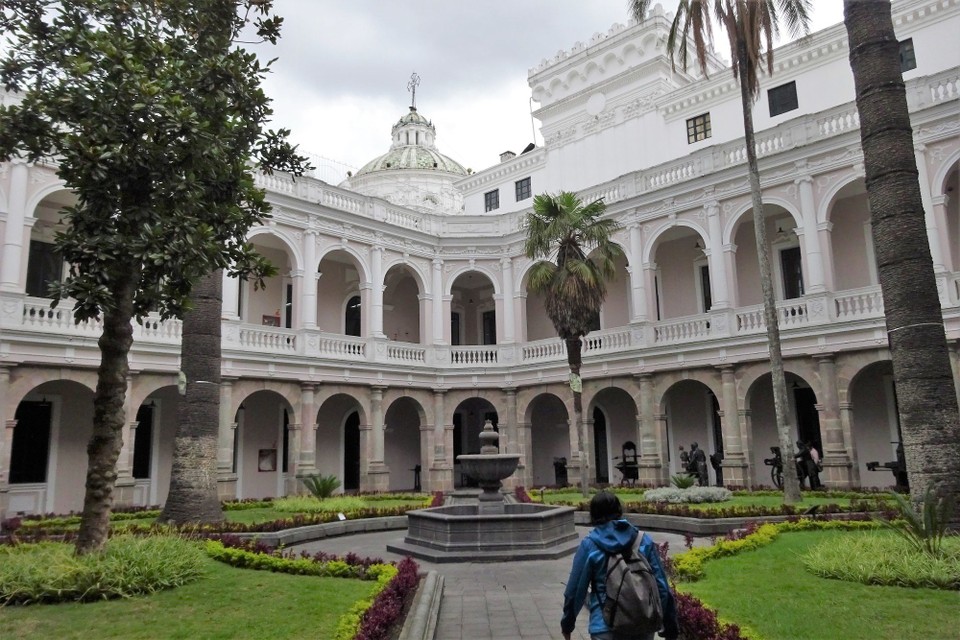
{"type": "Point", "coordinates": [611, 534]}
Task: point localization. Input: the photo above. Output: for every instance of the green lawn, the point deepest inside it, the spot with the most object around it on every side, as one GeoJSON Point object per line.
{"type": "Point", "coordinates": [228, 603]}
{"type": "Point", "coordinates": [770, 591]}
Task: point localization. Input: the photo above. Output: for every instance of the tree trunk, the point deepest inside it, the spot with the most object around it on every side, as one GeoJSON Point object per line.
{"type": "Point", "coordinates": [109, 417]}
{"type": "Point", "coordinates": [926, 398]}
{"type": "Point", "coordinates": [574, 359]}
{"type": "Point", "coordinates": [193, 494]}
{"type": "Point", "coordinates": [791, 485]}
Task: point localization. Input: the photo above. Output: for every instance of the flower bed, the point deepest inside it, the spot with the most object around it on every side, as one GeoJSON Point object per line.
{"type": "Point", "coordinates": [691, 495]}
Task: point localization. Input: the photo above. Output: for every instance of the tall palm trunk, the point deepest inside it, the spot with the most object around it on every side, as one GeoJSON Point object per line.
{"type": "Point", "coordinates": [109, 417]}
{"type": "Point", "coordinates": [193, 480]}
{"type": "Point", "coordinates": [575, 360]}
{"type": "Point", "coordinates": [791, 484]}
{"type": "Point", "coordinates": [926, 397]}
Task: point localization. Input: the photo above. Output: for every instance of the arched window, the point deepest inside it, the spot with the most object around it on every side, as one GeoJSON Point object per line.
{"type": "Point", "coordinates": [352, 317]}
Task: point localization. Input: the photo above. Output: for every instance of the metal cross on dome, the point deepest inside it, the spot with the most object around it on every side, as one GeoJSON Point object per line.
{"type": "Point", "coordinates": [412, 88]}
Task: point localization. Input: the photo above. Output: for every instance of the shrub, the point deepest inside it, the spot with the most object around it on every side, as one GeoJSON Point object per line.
{"type": "Point", "coordinates": [309, 504]}
{"type": "Point", "coordinates": [521, 495]}
{"type": "Point", "coordinates": [387, 607]}
{"type": "Point", "coordinates": [50, 572]}
{"type": "Point", "coordinates": [437, 499]}
{"type": "Point", "coordinates": [303, 565]}
{"type": "Point", "coordinates": [683, 480]}
{"type": "Point", "coordinates": [923, 528]}
{"type": "Point", "coordinates": [698, 622]}
{"type": "Point", "coordinates": [886, 560]}
{"type": "Point", "coordinates": [321, 487]}
{"type": "Point", "coordinates": [692, 495]}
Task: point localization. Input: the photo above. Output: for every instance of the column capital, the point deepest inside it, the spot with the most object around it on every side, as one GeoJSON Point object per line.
{"type": "Point", "coordinates": [804, 179]}
{"type": "Point", "coordinates": [920, 148]}
{"type": "Point", "coordinates": [296, 273]}
{"type": "Point", "coordinates": [439, 392]}
{"type": "Point", "coordinates": [506, 261]}
{"type": "Point", "coordinates": [309, 386]}
{"type": "Point", "coordinates": [825, 358]}
{"type": "Point", "coordinates": [510, 391]}
{"type": "Point", "coordinates": [379, 388]}
{"type": "Point", "coordinates": [940, 200]}
{"type": "Point", "coordinates": [712, 207]}
{"type": "Point", "coordinates": [437, 263]}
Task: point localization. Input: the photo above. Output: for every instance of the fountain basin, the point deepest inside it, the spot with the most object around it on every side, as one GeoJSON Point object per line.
{"type": "Point", "coordinates": [463, 533]}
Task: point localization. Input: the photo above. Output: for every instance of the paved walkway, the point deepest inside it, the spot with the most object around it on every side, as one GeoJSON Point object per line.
{"type": "Point", "coordinates": [489, 601]}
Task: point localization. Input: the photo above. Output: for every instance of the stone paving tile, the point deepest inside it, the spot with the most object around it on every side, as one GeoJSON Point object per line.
{"type": "Point", "coordinates": [488, 601]}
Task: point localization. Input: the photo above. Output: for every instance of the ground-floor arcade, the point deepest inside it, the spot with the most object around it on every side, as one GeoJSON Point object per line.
{"type": "Point", "coordinates": [382, 437]}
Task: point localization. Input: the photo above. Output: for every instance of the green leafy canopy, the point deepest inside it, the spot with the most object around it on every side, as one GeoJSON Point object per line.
{"type": "Point", "coordinates": [575, 284]}
{"type": "Point", "coordinates": [156, 121]}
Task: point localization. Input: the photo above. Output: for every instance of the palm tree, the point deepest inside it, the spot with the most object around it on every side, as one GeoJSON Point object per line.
{"type": "Point", "coordinates": [193, 494]}
{"type": "Point", "coordinates": [750, 26]}
{"type": "Point", "coordinates": [929, 418]}
{"type": "Point", "coordinates": [575, 286]}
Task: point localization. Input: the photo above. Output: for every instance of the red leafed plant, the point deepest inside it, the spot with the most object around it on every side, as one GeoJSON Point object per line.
{"type": "Point", "coordinates": [388, 606]}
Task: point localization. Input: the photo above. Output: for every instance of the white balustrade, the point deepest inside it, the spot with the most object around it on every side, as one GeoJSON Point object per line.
{"type": "Point", "coordinates": [273, 340]}
{"type": "Point", "coordinates": [473, 356]}
{"type": "Point", "coordinates": [549, 349]}
{"type": "Point", "coordinates": [401, 218]}
{"type": "Point", "coordinates": [675, 173]}
{"type": "Point", "coordinates": [406, 353]}
{"type": "Point", "coordinates": [859, 303]}
{"type": "Point", "coordinates": [606, 341]}
{"type": "Point", "coordinates": [343, 347]}
{"type": "Point", "coordinates": [944, 88]}
{"type": "Point", "coordinates": [682, 330]}
{"type": "Point", "coordinates": [790, 313]}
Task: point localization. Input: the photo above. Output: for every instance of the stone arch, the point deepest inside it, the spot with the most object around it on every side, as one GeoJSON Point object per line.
{"type": "Point", "coordinates": [827, 199]}
{"type": "Point", "coordinates": [283, 236]}
{"type": "Point", "coordinates": [145, 385]}
{"type": "Point", "coordinates": [38, 196]}
{"type": "Point", "coordinates": [288, 391]}
{"type": "Point", "coordinates": [943, 173]}
{"type": "Point", "coordinates": [22, 383]}
{"type": "Point", "coordinates": [612, 412]}
{"type": "Point", "coordinates": [653, 240]}
{"type": "Point", "coordinates": [690, 404]}
{"type": "Point", "coordinates": [415, 271]}
{"type": "Point", "coordinates": [483, 270]}
{"type": "Point", "coordinates": [405, 440]}
{"type": "Point", "coordinates": [359, 259]}
{"type": "Point", "coordinates": [405, 311]}
{"type": "Point", "coordinates": [874, 422]}
{"type": "Point", "coordinates": [155, 409]}
{"type": "Point", "coordinates": [338, 443]}
{"type": "Point", "coordinates": [736, 218]}
{"type": "Point", "coordinates": [548, 419]}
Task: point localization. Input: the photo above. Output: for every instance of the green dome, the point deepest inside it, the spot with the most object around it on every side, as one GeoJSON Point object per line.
{"type": "Point", "coordinates": [413, 148]}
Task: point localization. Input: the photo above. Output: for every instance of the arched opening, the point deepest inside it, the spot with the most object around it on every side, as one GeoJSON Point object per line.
{"type": "Point", "coordinates": [153, 446]}
{"type": "Point", "coordinates": [616, 306]}
{"type": "Point", "coordinates": [538, 325]}
{"type": "Point", "coordinates": [473, 315]}
{"type": "Point", "coordinates": [949, 199]}
{"type": "Point", "coordinates": [401, 442]}
{"type": "Point", "coordinates": [786, 261]}
{"type": "Point", "coordinates": [337, 442]}
{"type": "Point", "coordinates": [271, 305]}
{"type": "Point", "coordinates": [549, 440]}
{"type": "Point", "coordinates": [851, 240]}
{"type": "Point", "coordinates": [402, 306]}
{"type": "Point", "coordinates": [262, 445]}
{"type": "Point", "coordinates": [693, 416]}
{"type": "Point", "coordinates": [763, 420]}
{"type": "Point", "coordinates": [619, 419]}
{"type": "Point", "coordinates": [682, 280]}
{"type": "Point", "coordinates": [48, 455]}
{"type": "Point", "coordinates": [468, 420]}
{"type": "Point", "coordinates": [44, 264]}
{"type": "Point", "coordinates": [339, 296]}
{"type": "Point", "coordinates": [875, 422]}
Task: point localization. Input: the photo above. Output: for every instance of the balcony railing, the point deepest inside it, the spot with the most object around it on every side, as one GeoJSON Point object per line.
{"type": "Point", "coordinates": [21, 315]}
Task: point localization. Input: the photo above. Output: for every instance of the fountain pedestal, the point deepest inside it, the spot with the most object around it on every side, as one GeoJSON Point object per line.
{"type": "Point", "coordinates": [488, 530]}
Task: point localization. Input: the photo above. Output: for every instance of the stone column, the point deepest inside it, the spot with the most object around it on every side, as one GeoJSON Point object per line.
{"type": "Point", "coordinates": [376, 293]}
{"type": "Point", "coordinates": [933, 232]}
{"type": "Point", "coordinates": [746, 437]}
{"type": "Point", "coordinates": [296, 314]}
{"type": "Point", "coordinates": [123, 490]}
{"type": "Point", "coordinates": [639, 311]}
{"type": "Point", "coordinates": [730, 270]}
{"type": "Point", "coordinates": [525, 449]}
{"type": "Point", "coordinates": [940, 220]}
{"type": "Point", "coordinates": [714, 253]}
{"type": "Point", "coordinates": [231, 298]}
{"type": "Point", "coordinates": [650, 461]}
{"type": "Point", "coordinates": [7, 425]}
{"type": "Point", "coordinates": [291, 478]}
{"type": "Point", "coordinates": [227, 433]}
{"type": "Point", "coordinates": [441, 469]}
{"type": "Point", "coordinates": [308, 308]}
{"type": "Point", "coordinates": [734, 461]}
{"type": "Point", "coordinates": [836, 463]}
{"type": "Point", "coordinates": [378, 475]}
{"type": "Point", "coordinates": [509, 328]}
{"type": "Point", "coordinates": [588, 446]}
{"type": "Point", "coordinates": [11, 256]}
{"type": "Point", "coordinates": [846, 424]}
{"type": "Point", "coordinates": [307, 462]}
{"type": "Point", "coordinates": [437, 301]}
{"type": "Point", "coordinates": [508, 438]}
{"type": "Point", "coordinates": [953, 348]}
{"type": "Point", "coordinates": [813, 253]}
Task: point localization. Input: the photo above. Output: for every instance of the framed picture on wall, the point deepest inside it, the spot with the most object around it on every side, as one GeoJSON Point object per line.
{"type": "Point", "coordinates": [271, 321]}
{"type": "Point", "coordinates": [267, 460]}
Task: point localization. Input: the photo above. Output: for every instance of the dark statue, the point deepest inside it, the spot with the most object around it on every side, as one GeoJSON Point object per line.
{"type": "Point", "coordinates": [697, 466]}
{"type": "Point", "coordinates": [716, 461]}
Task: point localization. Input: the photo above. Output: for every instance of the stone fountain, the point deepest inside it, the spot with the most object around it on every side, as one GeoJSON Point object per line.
{"type": "Point", "coordinates": [488, 527]}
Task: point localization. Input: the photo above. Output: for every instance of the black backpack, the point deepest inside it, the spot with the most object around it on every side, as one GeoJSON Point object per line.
{"type": "Point", "coordinates": [632, 607]}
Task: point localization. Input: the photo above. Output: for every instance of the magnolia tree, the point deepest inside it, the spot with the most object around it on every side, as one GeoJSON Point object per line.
{"type": "Point", "coordinates": [157, 122]}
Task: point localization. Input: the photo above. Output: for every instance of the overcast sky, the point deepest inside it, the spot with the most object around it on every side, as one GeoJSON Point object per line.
{"type": "Point", "coordinates": [340, 82]}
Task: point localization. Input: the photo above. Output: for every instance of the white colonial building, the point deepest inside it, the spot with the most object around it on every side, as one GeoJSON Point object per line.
{"type": "Point", "coordinates": [401, 318]}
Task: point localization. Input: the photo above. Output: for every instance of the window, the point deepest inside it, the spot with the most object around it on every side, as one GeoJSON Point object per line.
{"type": "Point", "coordinates": [489, 322]}
{"type": "Point", "coordinates": [523, 189]}
{"type": "Point", "coordinates": [44, 267]}
{"type": "Point", "coordinates": [792, 273]}
{"type": "Point", "coordinates": [908, 58]}
{"type": "Point", "coordinates": [698, 128]}
{"type": "Point", "coordinates": [352, 317]}
{"type": "Point", "coordinates": [706, 303]}
{"type": "Point", "coordinates": [142, 442]}
{"type": "Point", "coordinates": [455, 328]}
{"type": "Point", "coordinates": [491, 200]}
{"type": "Point", "coordinates": [31, 443]}
{"type": "Point", "coordinates": [782, 98]}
